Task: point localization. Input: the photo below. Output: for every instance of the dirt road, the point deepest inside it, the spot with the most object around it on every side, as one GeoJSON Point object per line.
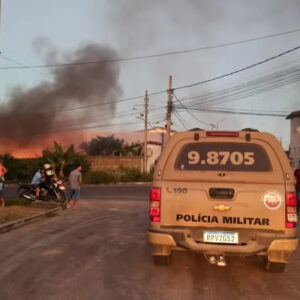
{"type": "Point", "coordinates": [100, 252]}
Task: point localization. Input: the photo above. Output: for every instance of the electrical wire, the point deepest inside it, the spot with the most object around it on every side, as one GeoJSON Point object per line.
{"type": "Point", "coordinates": [247, 89]}
{"type": "Point", "coordinates": [189, 112]}
{"type": "Point", "coordinates": [101, 125]}
{"type": "Point", "coordinates": [242, 95]}
{"type": "Point", "coordinates": [239, 70]}
{"type": "Point", "coordinates": [181, 120]}
{"type": "Point", "coordinates": [24, 66]}
{"type": "Point", "coordinates": [64, 109]}
{"type": "Point", "coordinates": [182, 87]}
{"type": "Point", "coordinates": [240, 112]}
{"type": "Point", "coordinates": [157, 54]}
{"type": "Point", "coordinates": [177, 88]}
{"type": "Point", "coordinates": [190, 85]}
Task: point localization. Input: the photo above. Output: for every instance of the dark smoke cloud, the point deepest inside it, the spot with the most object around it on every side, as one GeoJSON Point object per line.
{"type": "Point", "coordinates": [140, 25]}
{"type": "Point", "coordinates": [145, 27]}
{"type": "Point", "coordinates": [30, 114]}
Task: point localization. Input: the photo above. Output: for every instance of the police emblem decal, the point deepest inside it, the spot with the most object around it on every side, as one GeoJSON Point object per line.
{"type": "Point", "coordinates": [272, 199]}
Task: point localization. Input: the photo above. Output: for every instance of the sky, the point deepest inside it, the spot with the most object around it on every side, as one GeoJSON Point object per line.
{"type": "Point", "coordinates": [37, 32]}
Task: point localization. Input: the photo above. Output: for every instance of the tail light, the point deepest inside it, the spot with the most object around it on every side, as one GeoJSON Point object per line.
{"type": "Point", "coordinates": [155, 195]}
{"type": "Point", "coordinates": [291, 210]}
{"type": "Point", "coordinates": [223, 133]}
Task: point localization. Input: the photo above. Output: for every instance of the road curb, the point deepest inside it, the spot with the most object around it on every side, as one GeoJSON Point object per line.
{"type": "Point", "coordinates": [28, 220]}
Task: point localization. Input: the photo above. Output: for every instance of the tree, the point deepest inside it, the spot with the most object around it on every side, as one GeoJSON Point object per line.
{"type": "Point", "coordinates": [134, 149]}
{"type": "Point", "coordinates": [12, 165]}
{"type": "Point", "coordinates": [111, 145]}
{"type": "Point", "coordinates": [103, 146]}
{"type": "Point", "coordinates": [63, 161]}
{"type": "Point", "coordinates": [20, 169]}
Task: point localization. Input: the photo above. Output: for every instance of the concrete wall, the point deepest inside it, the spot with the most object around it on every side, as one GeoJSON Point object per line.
{"type": "Point", "coordinates": [114, 162]}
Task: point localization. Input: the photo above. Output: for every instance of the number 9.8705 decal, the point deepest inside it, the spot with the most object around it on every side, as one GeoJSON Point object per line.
{"type": "Point", "coordinates": [221, 158]}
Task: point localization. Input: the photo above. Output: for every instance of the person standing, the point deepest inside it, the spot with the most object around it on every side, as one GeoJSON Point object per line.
{"type": "Point", "coordinates": [75, 180]}
{"type": "Point", "coordinates": [3, 171]}
{"type": "Point", "coordinates": [297, 176]}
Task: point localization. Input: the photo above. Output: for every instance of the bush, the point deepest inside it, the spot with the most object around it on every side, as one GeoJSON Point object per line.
{"type": "Point", "coordinates": [99, 176]}
{"type": "Point", "coordinates": [131, 174]}
{"type": "Point", "coordinates": [20, 169]}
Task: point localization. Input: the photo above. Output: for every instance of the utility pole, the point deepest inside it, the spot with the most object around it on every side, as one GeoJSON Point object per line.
{"type": "Point", "coordinates": [145, 133]}
{"type": "Point", "coordinates": [169, 108]}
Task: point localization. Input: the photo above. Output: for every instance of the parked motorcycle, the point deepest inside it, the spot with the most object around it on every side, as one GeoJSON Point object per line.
{"type": "Point", "coordinates": [54, 191]}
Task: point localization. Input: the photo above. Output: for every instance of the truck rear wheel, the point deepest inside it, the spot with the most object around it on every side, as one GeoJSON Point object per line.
{"type": "Point", "coordinates": [274, 267]}
{"type": "Point", "coordinates": [162, 260]}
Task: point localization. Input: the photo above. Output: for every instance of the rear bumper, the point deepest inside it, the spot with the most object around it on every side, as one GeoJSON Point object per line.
{"type": "Point", "coordinates": [277, 248]}
{"type": "Point", "coordinates": [281, 250]}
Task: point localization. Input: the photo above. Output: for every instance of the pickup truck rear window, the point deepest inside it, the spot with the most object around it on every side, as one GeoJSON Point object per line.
{"type": "Point", "coordinates": [242, 157]}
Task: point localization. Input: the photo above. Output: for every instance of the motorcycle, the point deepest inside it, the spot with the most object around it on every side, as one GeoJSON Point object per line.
{"type": "Point", "coordinates": [54, 191]}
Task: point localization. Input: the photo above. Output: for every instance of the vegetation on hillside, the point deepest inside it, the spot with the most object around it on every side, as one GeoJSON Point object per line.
{"type": "Point", "coordinates": [64, 161]}
{"type": "Point", "coordinates": [108, 146]}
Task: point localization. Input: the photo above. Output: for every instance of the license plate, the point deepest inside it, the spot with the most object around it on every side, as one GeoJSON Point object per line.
{"type": "Point", "coordinates": [221, 237]}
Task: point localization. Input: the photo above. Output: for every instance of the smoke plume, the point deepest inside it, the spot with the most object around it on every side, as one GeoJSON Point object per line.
{"type": "Point", "coordinates": [34, 113]}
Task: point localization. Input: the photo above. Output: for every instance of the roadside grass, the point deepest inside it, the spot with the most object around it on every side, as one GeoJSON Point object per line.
{"type": "Point", "coordinates": [18, 208]}
{"type": "Point", "coordinates": [17, 201]}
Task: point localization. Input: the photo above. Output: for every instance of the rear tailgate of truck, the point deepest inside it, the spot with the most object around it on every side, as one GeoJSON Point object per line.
{"type": "Point", "coordinates": [230, 184]}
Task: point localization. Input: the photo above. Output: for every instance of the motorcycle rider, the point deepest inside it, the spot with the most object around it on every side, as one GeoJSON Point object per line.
{"type": "Point", "coordinates": [49, 175]}
{"type": "Point", "coordinates": [37, 181]}
{"type": "Point", "coordinates": [43, 178]}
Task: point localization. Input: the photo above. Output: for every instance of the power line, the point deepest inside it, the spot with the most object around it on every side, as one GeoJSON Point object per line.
{"type": "Point", "coordinates": [181, 87]}
{"type": "Point", "coordinates": [180, 119]}
{"type": "Point", "coordinates": [24, 66]}
{"type": "Point", "coordinates": [248, 89]}
{"type": "Point", "coordinates": [108, 102]}
{"type": "Point", "coordinates": [189, 112]}
{"type": "Point", "coordinates": [240, 112]}
{"type": "Point", "coordinates": [223, 96]}
{"type": "Point", "coordinates": [67, 129]}
{"type": "Point", "coordinates": [239, 70]}
{"type": "Point", "coordinates": [155, 55]}
{"type": "Point", "coordinates": [194, 84]}
{"type": "Point", "coordinates": [283, 112]}
{"type": "Point", "coordinates": [96, 126]}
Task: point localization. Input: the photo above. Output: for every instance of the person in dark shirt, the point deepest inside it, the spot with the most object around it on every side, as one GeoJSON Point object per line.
{"type": "Point", "coordinates": [297, 176]}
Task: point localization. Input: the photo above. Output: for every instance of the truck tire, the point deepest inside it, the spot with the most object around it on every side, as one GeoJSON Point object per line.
{"type": "Point", "coordinates": [162, 260]}
{"type": "Point", "coordinates": [274, 267]}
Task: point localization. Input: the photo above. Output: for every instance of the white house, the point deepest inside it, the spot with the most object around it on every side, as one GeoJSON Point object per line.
{"type": "Point", "coordinates": [295, 138]}
{"type": "Point", "coordinates": [155, 145]}
{"type": "Point", "coordinates": [153, 153]}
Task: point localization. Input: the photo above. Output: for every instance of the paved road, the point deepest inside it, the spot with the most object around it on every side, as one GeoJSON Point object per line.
{"type": "Point", "coordinates": [100, 252]}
